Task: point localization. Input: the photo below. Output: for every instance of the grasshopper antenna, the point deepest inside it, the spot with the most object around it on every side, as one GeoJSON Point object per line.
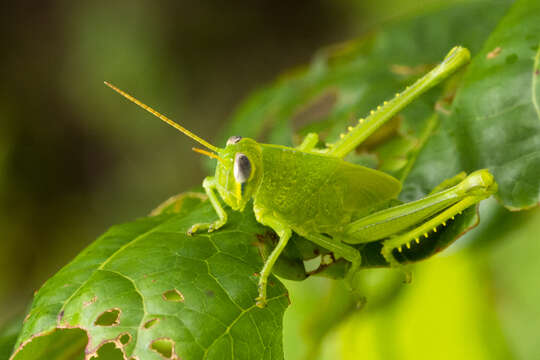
{"type": "Point", "coordinates": [207, 153]}
{"type": "Point", "coordinates": [165, 119]}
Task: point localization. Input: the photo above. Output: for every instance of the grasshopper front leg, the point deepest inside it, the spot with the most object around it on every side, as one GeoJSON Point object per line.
{"type": "Point", "coordinates": [209, 185]}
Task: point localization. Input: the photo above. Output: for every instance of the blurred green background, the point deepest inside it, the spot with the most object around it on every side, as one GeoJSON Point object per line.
{"type": "Point", "coordinates": [75, 158]}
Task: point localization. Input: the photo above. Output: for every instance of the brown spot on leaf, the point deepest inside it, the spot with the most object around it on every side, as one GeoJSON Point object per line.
{"type": "Point", "coordinates": [385, 133]}
{"type": "Point", "coordinates": [90, 302]}
{"type": "Point", "coordinates": [150, 323]}
{"type": "Point", "coordinates": [316, 110]}
{"type": "Point", "coordinates": [405, 70]}
{"type": "Point", "coordinates": [60, 317]}
{"type": "Point", "coordinates": [109, 317]}
{"type": "Point", "coordinates": [443, 105]}
{"type": "Point", "coordinates": [494, 53]}
{"type": "Point", "coordinates": [173, 295]}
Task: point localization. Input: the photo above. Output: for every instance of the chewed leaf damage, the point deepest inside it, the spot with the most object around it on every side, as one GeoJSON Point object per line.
{"type": "Point", "coordinates": [124, 309]}
{"type": "Point", "coordinates": [109, 317]}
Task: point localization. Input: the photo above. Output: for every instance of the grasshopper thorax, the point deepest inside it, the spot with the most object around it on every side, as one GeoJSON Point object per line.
{"type": "Point", "coordinates": [239, 171]}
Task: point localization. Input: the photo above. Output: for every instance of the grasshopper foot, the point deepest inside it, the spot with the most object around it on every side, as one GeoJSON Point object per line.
{"type": "Point", "coordinates": [205, 226]}
{"type": "Point", "coordinates": [352, 284]}
{"type": "Point", "coordinates": [260, 301]}
{"type": "Point", "coordinates": [197, 227]}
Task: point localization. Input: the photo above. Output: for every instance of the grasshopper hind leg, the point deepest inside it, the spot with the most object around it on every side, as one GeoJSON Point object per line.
{"type": "Point", "coordinates": [421, 232]}
{"type": "Point", "coordinates": [474, 188]}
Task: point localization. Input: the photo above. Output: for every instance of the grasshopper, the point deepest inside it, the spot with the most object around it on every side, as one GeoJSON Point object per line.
{"type": "Point", "coordinates": [333, 203]}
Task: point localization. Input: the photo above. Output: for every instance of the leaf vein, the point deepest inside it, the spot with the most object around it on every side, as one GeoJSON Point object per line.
{"type": "Point", "coordinates": [228, 329]}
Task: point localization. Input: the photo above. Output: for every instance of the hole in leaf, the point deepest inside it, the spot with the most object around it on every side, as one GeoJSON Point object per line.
{"type": "Point", "coordinates": [164, 347]}
{"type": "Point", "coordinates": [124, 338]}
{"type": "Point", "coordinates": [52, 343]}
{"type": "Point", "coordinates": [110, 317]}
{"type": "Point", "coordinates": [173, 295]}
{"type": "Point", "coordinates": [312, 264]}
{"type": "Point", "coordinates": [108, 351]}
{"type": "Point", "coordinates": [150, 323]}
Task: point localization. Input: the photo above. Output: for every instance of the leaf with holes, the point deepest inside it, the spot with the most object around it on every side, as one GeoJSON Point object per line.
{"type": "Point", "coordinates": [495, 118]}
{"type": "Point", "coordinates": [146, 290]}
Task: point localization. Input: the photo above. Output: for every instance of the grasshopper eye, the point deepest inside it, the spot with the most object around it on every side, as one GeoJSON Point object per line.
{"type": "Point", "coordinates": [242, 168]}
{"type": "Point", "coordinates": [234, 139]}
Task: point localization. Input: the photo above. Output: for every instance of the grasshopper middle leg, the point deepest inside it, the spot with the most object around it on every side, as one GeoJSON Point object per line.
{"type": "Point", "coordinates": [284, 232]}
{"type": "Point", "coordinates": [339, 248]}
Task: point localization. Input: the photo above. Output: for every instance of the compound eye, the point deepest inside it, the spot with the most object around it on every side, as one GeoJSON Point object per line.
{"type": "Point", "coordinates": [234, 139]}
{"type": "Point", "coordinates": [242, 168]}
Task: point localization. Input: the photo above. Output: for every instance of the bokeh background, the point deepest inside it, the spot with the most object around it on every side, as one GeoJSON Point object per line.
{"type": "Point", "coordinates": [75, 158]}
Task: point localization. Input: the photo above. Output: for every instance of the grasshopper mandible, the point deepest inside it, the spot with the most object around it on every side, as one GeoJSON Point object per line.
{"type": "Point", "coordinates": [316, 194]}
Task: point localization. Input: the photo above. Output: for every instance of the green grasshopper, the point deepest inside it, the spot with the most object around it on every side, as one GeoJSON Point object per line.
{"type": "Point", "coordinates": [328, 201]}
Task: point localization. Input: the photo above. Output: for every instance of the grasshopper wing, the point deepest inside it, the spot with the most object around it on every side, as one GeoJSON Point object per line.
{"type": "Point", "coordinates": [364, 188]}
{"type": "Point", "coordinates": [320, 193]}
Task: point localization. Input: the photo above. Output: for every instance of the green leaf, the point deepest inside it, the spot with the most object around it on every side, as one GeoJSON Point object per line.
{"type": "Point", "coordinates": [145, 284]}
{"type": "Point", "coordinates": [495, 118]}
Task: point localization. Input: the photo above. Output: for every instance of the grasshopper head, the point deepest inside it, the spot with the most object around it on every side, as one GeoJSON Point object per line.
{"type": "Point", "coordinates": [238, 173]}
